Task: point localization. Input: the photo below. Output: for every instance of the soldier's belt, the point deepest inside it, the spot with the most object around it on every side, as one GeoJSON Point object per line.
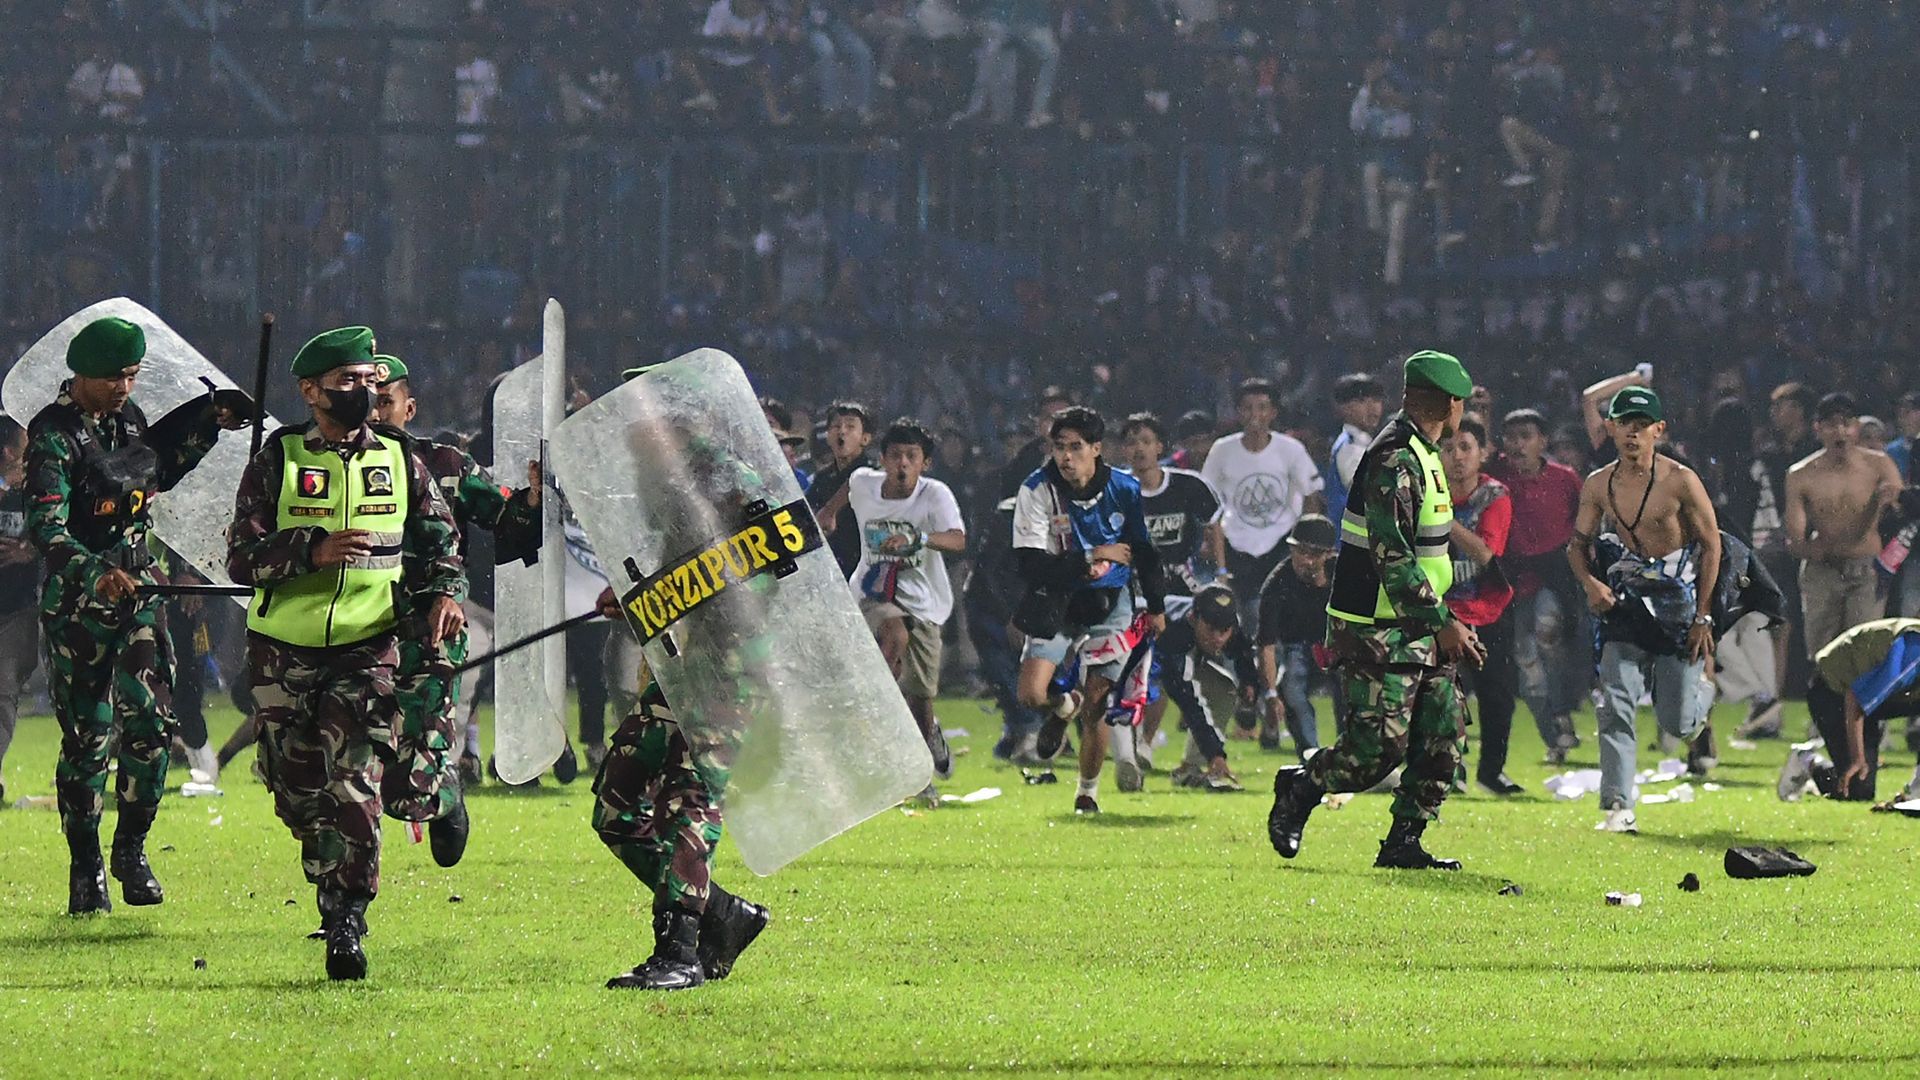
{"type": "Point", "coordinates": [771, 540]}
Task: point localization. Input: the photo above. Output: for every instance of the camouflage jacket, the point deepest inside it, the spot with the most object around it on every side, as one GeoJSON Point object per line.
{"type": "Point", "coordinates": [473, 496]}
{"type": "Point", "coordinates": [261, 554]}
{"type": "Point", "coordinates": [1389, 487]}
{"type": "Point", "coordinates": [83, 522]}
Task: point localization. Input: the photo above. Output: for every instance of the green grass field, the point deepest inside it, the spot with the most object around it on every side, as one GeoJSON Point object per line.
{"type": "Point", "coordinates": [1162, 939]}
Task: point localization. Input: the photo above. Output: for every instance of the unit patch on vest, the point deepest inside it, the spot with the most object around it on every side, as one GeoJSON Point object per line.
{"type": "Point", "coordinates": [312, 483]}
{"type": "Point", "coordinates": [377, 479]}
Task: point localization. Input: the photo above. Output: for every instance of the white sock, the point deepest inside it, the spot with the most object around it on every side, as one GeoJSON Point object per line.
{"type": "Point", "coordinates": [1089, 788]}
{"type": "Point", "coordinates": [1065, 705]}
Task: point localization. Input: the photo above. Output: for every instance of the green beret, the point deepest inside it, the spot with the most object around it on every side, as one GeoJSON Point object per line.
{"type": "Point", "coordinates": [106, 347]}
{"type": "Point", "coordinates": [1636, 401]}
{"type": "Point", "coordinates": [1440, 371]}
{"type": "Point", "coordinates": [335, 348]}
{"type": "Point", "coordinates": [392, 368]}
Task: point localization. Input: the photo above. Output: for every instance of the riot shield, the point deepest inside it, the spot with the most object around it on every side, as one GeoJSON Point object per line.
{"type": "Point", "coordinates": [743, 616]}
{"type": "Point", "coordinates": [529, 686]}
{"type": "Point", "coordinates": [192, 518]}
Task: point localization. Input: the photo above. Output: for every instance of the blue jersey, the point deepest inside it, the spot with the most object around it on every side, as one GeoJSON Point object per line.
{"type": "Point", "coordinates": [1046, 519]}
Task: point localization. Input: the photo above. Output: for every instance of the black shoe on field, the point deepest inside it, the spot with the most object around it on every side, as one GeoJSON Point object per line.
{"type": "Point", "coordinates": [1501, 785]}
{"type": "Point", "coordinates": [566, 767]}
{"type": "Point", "coordinates": [727, 927]}
{"type": "Point", "coordinates": [1294, 797]}
{"type": "Point", "coordinates": [1085, 804]}
{"type": "Point", "coordinates": [447, 836]}
{"type": "Point", "coordinates": [1401, 850]}
{"type": "Point", "coordinates": [346, 923]}
{"type": "Point", "coordinates": [138, 886]}
{"type": "Point", "coordinates": [86, 875]}
{"type": "Point", "coordinates": [1053, 733]}
{"type": "Point", "coordinates": [675, 963]}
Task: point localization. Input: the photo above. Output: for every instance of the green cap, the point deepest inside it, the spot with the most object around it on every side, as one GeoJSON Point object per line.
{"type": "Point", "coordinates": [1440, 371]}
{"type": "Point", "coordinates": [1636, 401]}
{"type": "Point", "coordinates": [392, 368]}
{"type": "Point", "coordinates": [336, 348]}
{"type": "Point", "coordinates": [106, 347]}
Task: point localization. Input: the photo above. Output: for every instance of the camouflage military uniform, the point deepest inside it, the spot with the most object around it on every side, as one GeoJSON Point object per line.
{"type": "Point", "coordinates": [657, 805]}
{"type": "Point", "coordinates": [329, 719]}
{"type": "Point", "coordinates": [107, 662]}
{"type": "Point", "coordinates": [1404, 702]}
{"type": "Point", "coordinates": [415, 789]}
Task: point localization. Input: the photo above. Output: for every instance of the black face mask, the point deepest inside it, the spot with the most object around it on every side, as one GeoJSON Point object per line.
{"type": "Point", "coordinates": [349, 408]}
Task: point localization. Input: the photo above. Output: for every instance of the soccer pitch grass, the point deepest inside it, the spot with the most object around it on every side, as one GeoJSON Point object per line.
{"type": "Point", "coordinates": [1164, 938]}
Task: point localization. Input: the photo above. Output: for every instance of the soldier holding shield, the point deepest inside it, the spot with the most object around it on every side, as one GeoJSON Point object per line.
{"type": "Point", "coordinates": [93, 465]}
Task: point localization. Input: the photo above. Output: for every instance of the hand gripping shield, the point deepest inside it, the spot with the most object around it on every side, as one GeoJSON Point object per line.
{"type": "Point", "coordinates": [745, 620]}
{"type": "Point", "coordinates": [192, 518]}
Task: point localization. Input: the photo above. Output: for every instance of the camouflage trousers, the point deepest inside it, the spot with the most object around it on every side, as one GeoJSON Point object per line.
{"type": "Point", "coordinates": [108, 667]}
{"type": "Point", "coordinates": [1397, 714]}
{"type": "Point", "coordinates": [327, 721]}
{"type": "Point", "coordinates": [422, 785]}
{"type": "Point", "coordinates": [655, 809]}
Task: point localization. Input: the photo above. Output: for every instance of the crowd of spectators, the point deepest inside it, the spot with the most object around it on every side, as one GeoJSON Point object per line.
{"type": "Point", "coordinates": [1212, 187]}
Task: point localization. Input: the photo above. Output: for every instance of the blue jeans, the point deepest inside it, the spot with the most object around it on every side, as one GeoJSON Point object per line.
{"type": "Point", "coordinates": [1681, 697]}
{"type": "Point", "coordinates": [1000, 667]}
{"type": "Point", "coordinates": [1297, 672]}
{"type": "Point", "coordinates": [1551, 654]}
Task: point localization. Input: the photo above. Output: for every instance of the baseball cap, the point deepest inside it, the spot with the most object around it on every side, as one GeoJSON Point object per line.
{"type": "Point", "coordinates": [1636, 401]}
{"type": "Point", "coordinates": [1314, 531]}
{"type": "Point", "coordinates": [1216, 607]}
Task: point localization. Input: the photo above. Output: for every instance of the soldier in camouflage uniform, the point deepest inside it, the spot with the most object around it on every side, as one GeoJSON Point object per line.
{"type": "Point", "coordinates": [657, 804]}
{"type": "Point", "coordinates": [343, 535]}
{"type": "Point", "coordinates": [424, 786]}
{"type": "Point", "coordinates": [1394, 642]}
{"type": "Point", "coordinates": [93, 464]}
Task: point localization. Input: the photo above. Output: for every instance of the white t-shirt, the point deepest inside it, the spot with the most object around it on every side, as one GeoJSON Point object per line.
{"type": "Point", "coordinates": [921, 589]}
{"type": "Point", "coordinates": [1265, 492]}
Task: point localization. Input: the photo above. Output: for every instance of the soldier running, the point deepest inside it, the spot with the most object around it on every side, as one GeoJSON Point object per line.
{"type": "Point", "coordinates": [342, 534]}
{"type": "Point", "coordinates": [1394, 641]}
{"type": "Point", "coordinates": [93, 465]}
{"type": "Point", "coordinates": [424, 785]}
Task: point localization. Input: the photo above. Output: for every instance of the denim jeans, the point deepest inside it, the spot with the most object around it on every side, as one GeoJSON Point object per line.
{"type": "Point", "coordinates": [1000, 669]}
{"type": "Point", "coordinates": [1681, 698]}
{"type": "Point", "coordinates": [1297, 672]}
{"type": "Point", "coordinates": [1551, 655]}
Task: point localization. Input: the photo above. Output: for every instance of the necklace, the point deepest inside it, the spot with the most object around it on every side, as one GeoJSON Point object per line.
{"type": "Point", "coordinates": [1653, 472]}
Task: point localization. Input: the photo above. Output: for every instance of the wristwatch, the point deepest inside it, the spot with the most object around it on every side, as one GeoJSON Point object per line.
{"type": "Point", "coordinates": [1703, 619]}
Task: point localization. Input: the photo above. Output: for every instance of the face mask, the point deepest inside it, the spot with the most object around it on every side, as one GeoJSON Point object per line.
{"type": "Point", "coordinates": [349, 408]}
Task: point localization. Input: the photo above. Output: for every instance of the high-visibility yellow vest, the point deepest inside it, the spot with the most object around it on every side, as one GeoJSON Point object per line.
{"type": "Point", "coordinates": [1358, 596]}
{"type": "Point", "coordinates": [351, 603]}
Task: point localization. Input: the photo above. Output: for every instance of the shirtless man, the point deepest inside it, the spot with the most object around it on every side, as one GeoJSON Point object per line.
{"type": "Point", "coordinates": [1658, 541]}
{"type": "Point", "coordinates": [1834, 497]}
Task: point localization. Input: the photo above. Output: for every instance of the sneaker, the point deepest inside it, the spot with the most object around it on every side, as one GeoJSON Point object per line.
{"type": "Point", "coordinates": [1501, 785]}
{"type": "Point", "coordinates": [1795, 775]}
{"type": "Point", "coordinates": [1269, 738]}
{"type": "Point", "coordinates": [1053, 731]}
{"type": "Point", "coordinates": [1703, 753]}
{"type": "Point", "coordinates": [471, 772]}
{"type": "Point", "coordinates": [1084, 804]}
{"type": "Point", "coordinates": [1128, 775]}
{"type": "Point", "coordinates": [1556, 755]}
{"type": "Point", "coordinates": [1190, 776]}
{"type": "Point", "coordinates": [1762, 722]}
{"type": "Point", "coordinates": [1143, 755]}
{"type": "Point", "coordinates": [1911, 791]}
{"type": "Point", "coordinates": [942, 756]}
{"type": "Point", "coordinates": [1617, 821]}
{"type": "Point", "coordinates": [566, 767]}
{"type": "Point", "coordinates": [1220, 783]}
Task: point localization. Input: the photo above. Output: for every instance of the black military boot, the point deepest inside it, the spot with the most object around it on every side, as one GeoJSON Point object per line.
{"type": "Point", "coordinates": [138, 886]}
{"type": "Point", "coordinates": [86, 873]}
{"type": "Point", "coordinates": [675, 963]}
{"type": "Point", "coordinates": [727, 927]}
{"type": "Point", "coordinates": [1294, 797]}
{"type": "Point", "coordinates": [346, 923]}
{"type": "Point", "coordinates": [447, 836]}
{"type": "Point", "coordinates": [1401, 850]}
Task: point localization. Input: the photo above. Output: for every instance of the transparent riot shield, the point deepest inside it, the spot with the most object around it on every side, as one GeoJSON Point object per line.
{"type": "Point", "coordinates": [192, 518]}
{"type": "Point", "coordinates": [530, 685]}
{"type": "Point", "coordinates": [744, 617]}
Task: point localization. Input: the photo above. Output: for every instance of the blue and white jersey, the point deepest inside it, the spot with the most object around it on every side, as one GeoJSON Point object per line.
{"type": "Point", "coordinates": [1045, 519]}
